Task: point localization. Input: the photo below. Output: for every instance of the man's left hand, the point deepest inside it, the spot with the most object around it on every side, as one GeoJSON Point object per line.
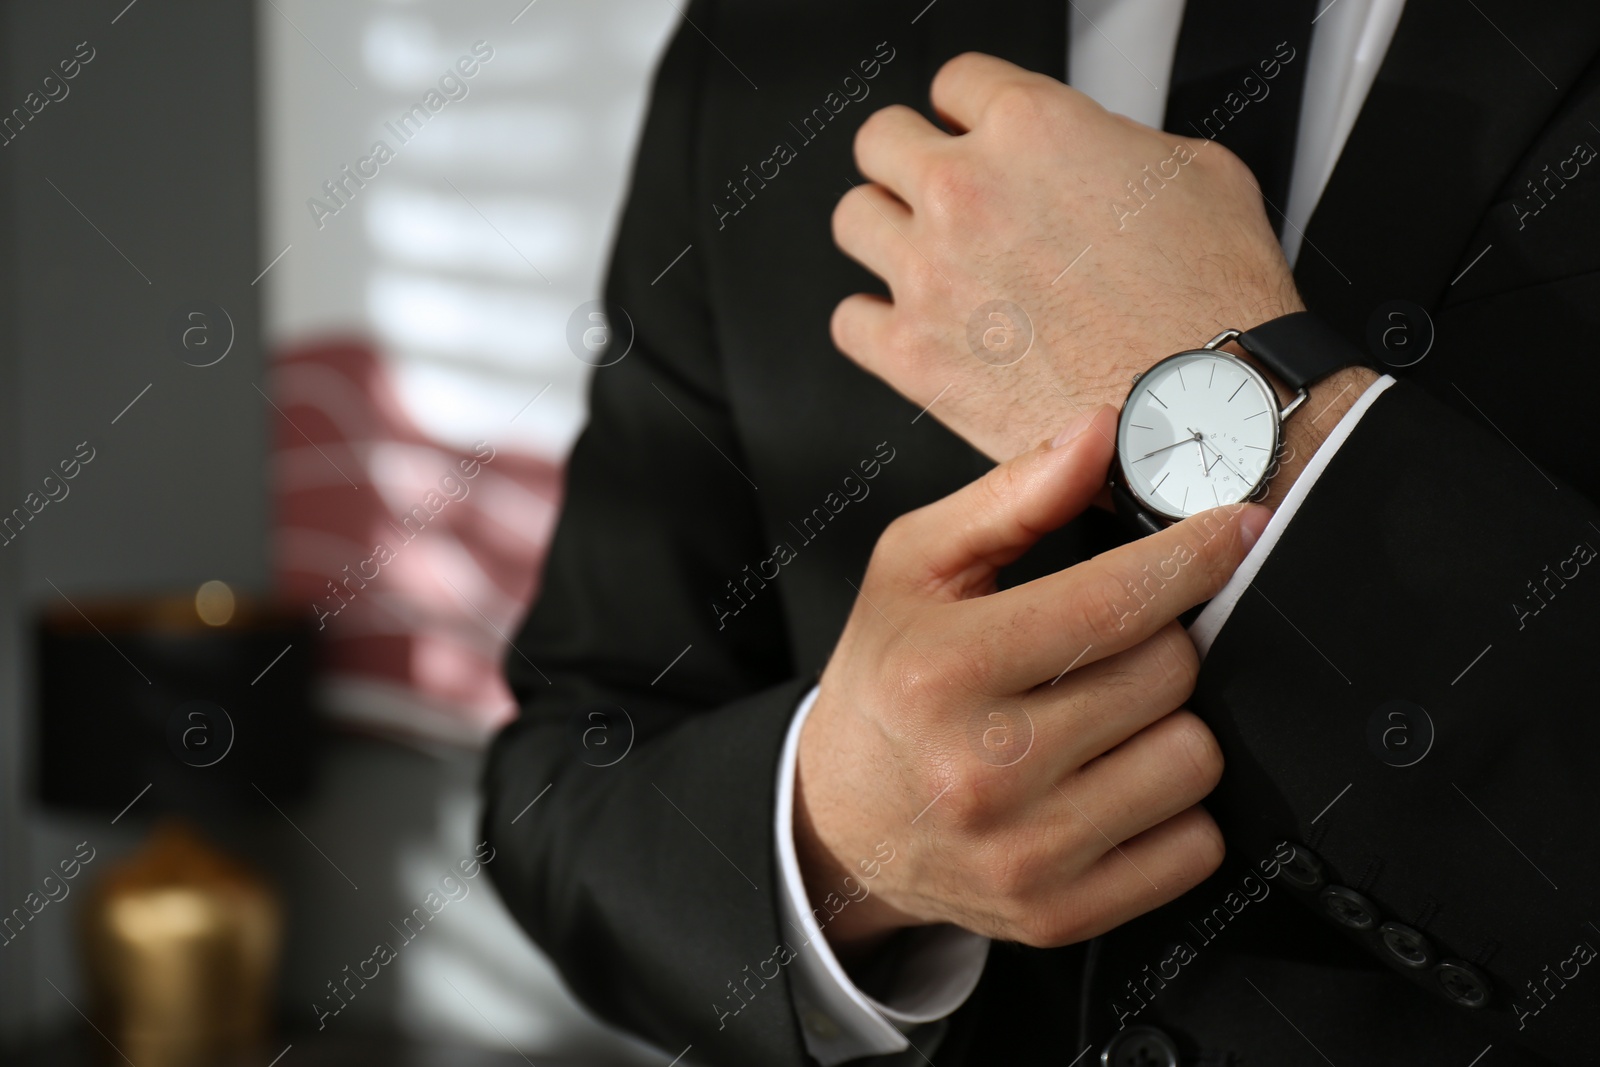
{"type": "Point", "coordinates": [1044, 253]}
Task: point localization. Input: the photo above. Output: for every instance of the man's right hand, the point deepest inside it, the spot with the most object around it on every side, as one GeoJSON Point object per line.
{"type": "Point", "coordinates": [1023, 751]}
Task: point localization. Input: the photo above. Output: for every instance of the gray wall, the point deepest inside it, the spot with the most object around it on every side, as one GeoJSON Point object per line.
{"type": "Point", "coordinates": [154, 144]}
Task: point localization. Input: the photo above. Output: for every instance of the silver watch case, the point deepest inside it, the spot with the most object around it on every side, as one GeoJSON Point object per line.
{"type": "Point", "coordinates": [1212, 348]}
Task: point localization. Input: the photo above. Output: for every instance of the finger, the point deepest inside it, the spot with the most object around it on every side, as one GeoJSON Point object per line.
{"type": "Point", "coordinates": [892, 147]}
{"type": "Point", "coordinates": [1168, 766]}
{"type": "Point", "coordinates": [869, 226]}
{"type": "Point", "coordinates": [1139, 875]}
{"type": "Point", "coordinates": [965, 87]}
{"type": "Point", "coordinates": [1032, 632]}
{"type": "Point", "coordinates": [860, 325]}
{"type": "Point", "coordinates": [952, 548]}
{"type": "Point", "coordinates": [1093, 709]}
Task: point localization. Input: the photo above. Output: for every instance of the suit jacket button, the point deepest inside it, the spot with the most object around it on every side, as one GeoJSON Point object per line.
{"type": "Point", "coordinates": [1463, 983]}
{"type": "Point", "coordinates": [1348, 908]}
{"type": "Point", "coordinates": [1139, 1046]}
{"type": "Point", "coordinates": [1303, 870]}
{"type": "Point", "coordinates": [1406, 946]}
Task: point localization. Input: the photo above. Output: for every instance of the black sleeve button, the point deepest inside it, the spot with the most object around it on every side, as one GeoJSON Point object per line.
{"type": "Point", "coordinates": [1463, 983]}
{"type": "Point", "coordinates": [1139, 1046]}
{"type": "Point", "coordinates": [1302, 870]}
{"type": "Point", "coordinates": [1406, 946]}
{"type": "Point", "coordinates": [1348, 908]}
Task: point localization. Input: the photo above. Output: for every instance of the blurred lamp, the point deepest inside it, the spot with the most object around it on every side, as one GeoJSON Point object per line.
{"type": "Point", "coordinates": [203, 698]}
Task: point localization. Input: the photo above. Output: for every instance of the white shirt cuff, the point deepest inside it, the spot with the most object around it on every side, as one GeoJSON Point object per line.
{"type": "Point", "coordinates": [937, 969]}
{"type": "Point", "coordinates": [1210, 622]}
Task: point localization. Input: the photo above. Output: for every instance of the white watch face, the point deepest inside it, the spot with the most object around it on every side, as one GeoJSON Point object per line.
{"type": "Point", "coordinates": [1198, 431]}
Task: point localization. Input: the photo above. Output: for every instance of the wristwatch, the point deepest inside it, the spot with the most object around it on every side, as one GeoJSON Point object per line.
{"type": "Point", "coordinates": [1203, 428]}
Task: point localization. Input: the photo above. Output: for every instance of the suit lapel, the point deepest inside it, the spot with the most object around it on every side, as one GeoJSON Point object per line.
{"type": "Point", "coordinates": [1464, 90]}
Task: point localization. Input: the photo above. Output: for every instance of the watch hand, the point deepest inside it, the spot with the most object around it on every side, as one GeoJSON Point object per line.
{"type": "Point", "coordinates": [1174, 444]}
{"type": "Point", "coordinates": [1230, 466]}
{"type": "Point", "coordinates": [1198, 437]}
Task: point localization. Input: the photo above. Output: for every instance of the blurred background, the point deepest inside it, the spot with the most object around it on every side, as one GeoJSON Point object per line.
{"type": "Point", "coordinates": [295, 335]}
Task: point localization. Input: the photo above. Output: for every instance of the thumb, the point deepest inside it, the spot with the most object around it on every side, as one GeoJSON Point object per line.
{"type": "Point", "coordinates": [955, 546]}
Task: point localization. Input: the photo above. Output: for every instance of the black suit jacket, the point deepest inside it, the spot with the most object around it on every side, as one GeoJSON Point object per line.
{"type": "Point", "coordinates": [650, 878]}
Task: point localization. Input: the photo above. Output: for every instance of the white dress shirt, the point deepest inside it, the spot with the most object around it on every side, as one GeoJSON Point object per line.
{"type": "Point", "coordinates": [1121, 55]}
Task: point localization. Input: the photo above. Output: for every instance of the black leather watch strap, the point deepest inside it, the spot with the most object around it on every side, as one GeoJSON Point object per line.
{"type": "Point", "coordinates": [1300, 349]}
{"type": "Point", "coordinates": [1142, 521]}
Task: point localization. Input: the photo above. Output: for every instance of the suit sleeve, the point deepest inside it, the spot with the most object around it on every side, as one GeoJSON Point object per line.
{"type": "Point", "coordinates": [631, 803]}
{"type": "Point", "coordinates": [1407, 691]}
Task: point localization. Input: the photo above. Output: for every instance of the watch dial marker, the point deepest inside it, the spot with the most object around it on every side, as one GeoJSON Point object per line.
{"type": "Point", "coordinates": [1175, 444]}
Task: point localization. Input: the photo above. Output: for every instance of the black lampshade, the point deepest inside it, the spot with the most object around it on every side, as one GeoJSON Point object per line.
{"type": "Point", "coordinates": [148, 693]}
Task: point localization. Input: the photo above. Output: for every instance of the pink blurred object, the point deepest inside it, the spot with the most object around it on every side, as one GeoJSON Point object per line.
{"type": "Point", "coordinates": [417, 559]}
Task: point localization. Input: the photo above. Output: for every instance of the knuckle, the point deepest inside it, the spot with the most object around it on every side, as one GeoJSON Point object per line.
{"type": "Point", "coordinates": [840, 220]}
{"type": "Point", "coordinates": [894, 557]}
{"type": "Point", "coordinates": [1193, 743]}
{"type": "Point", "coordinates": [1009, 869]}
{"type": "Point", "coordinates": [839, 326]}
{"type": "Point", "coordinates": [948, 188]}
{"type": "Point", "coordinates": [973, 807]}
{"type": "Point", "coordinates": [1046, 925]}
{"type": "Point", "coordinates": [955, 72]}
{"type": "Point", "coordinates": [1017, 879]}
{"type": "Point", "coordinates": [1103, 608]}
{"type": "Point", "coordinates": [1211, 541]}
{"type": "Point", "coordinates": [1037, 928]}
{"type": "Point", "coordinates": [1175, 665]}
{"type": "Point", "coordinates": [902, 339]}
{"type": "Point", "coordinates": [1224, 163]}
{"type": "Point", "coordinates": [914, 682]}
{"type": "Point", "coordinates": [968, 665]}
{"type": "Point", "coordinates": [1202, 849]}
{"type": "Point", "coordinates": [873, 126]}
{"type": "Point", "coordinates": [895, 539]}
{"type": "Point", "coordinates": [1020, 106]}
{"type": "Point", "coordinates": [998, 489]}
{"type": "Point", "coordinates": [958, 65]}
{"type": "Point", "coordinates": [959, 666]}
{"type": "Point", "coordinates": [915, 278]}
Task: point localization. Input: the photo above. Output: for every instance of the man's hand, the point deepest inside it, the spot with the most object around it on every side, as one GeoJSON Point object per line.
{"type": "Point", "coordinates": [1119, 244]}
{"type": "Point", "coordinates": [1022, 751]}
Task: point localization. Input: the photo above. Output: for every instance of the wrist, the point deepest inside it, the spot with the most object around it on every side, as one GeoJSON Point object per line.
{"type": "Point", "coordinates": [1304, 432]}
{"type": "Point", "coordinates": [838, 867]}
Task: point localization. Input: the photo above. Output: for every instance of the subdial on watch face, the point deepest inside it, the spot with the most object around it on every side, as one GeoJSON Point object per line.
{"type": "Point", "coordinates": [1198, 431]}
